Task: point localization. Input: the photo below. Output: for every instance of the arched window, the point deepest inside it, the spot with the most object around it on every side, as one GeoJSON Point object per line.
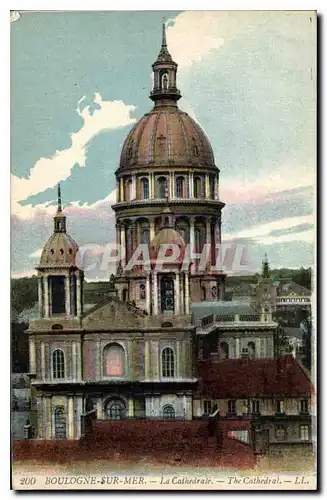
{"type": "Point", "coordinates": [167, 362]}
{"type": "Point", "coordinates": [145, 189]}
{"type": "Point", "coordinates": [203, 293]}
{"type": "Point", "coordinates": [128, 190]}
{"type": "Point", "coordinates": [125, 294]}
{"type": "Point", "coordinates": [142, 291]}
{"type": "Point", "coordinates": [199, 237]}
{"type": "Point", "coordinates": [115, 409]}
{"type": "Point", "coordinates": [214, 292]}
{"type": "Point", "coordinates": [144, 232]}
{"type": "Point", "coordinates": [197, 185]}
{"type": "Point", "coordinates": [114, 361]}
{"type": "Point", "coordinates": [195, 150]}
{"type": "Point", "coordinates": [182, 227]}
{"type": "Point", "coordinates": [212, 187]}
{"type": "Point", "coordinates": [161, 187]}
{"type": "Point", "coordinates": [164, 81]}
{"type": "Point", "coordinates": [180, 183]}
{"type": "Point", "coordinates": [168, 412]}
{"type": "Point", "coordinates": [251, 349]}
{"type": "Point", "coordinates": [58, 364]}
{"type": "Point", "coordinates": [223, 350]}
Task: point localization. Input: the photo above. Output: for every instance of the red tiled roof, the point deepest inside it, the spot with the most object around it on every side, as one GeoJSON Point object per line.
{"type": "Point", "coordinates": [253, 377]}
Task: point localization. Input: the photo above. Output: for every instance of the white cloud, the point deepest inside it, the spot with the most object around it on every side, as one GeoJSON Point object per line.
{"type": "Point", "coordinates": [195, 34]}
{"type": "Point", "coordinates": [261, 233]}
{"type": "Point", "coordinates": [14, 16]}
{"type": "Point", "coordinates": [36, 254]}
{"type": "Point", "coordinates": [305, 236]}
{"type": "Point", "coordinates": [47, 172]}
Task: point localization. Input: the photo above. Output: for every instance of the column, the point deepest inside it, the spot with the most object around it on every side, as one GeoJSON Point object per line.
{"type": "Point", "coordinates": [74, 368]}
{"type": "Point", "coordinates": [71, 417]}
{"type": "Point", "coordinates": [237, 348]}
{"type": "Point", "coordinates": [148, 294]}
{"type": "Point", "coordinates": [177, 294]}
{"type": "Point", "coordinates": [192, 242]}
{"type": "Point", "coordinates": [67, 294]}
{"type": "Point", "coordinates": [258, 348]}
{"type": "Point", "coordinates": [147, 359]}
{"type": "Point", "coordinates": [79, 361]}
{"type": "Point", "coordinates": [99, 409]}
{"type": "Point", "coordinates": [48, 418]}
{"type": "Point", "coordinates": [46, 296]}
{"type": "Point", "coordinates": [207, 187]}
{"type": "Point", "coordinates": [178, 354]}
{"type": "Point", "coordinates": [173, 185]}
{"type": "Point", "coordinates": [134, 186]}
{"type": "Point", "coordinates": [32, 353]}
{"type": "Point", "coordinates": [150, 186]}
{"type": "Point", "coordinates": [191, 185]}
{"type": "Point", "coordinates": [217, 187]}
{"type": "Point", "coordinates": [182, 295]}
{"type": "Point", "coordinates": [152, 230]}
{"type": "Point", "coordinates": [155, 293]}
{"type": "Point", "coordinates": [40, 296]}
{"type": "Point", "coordinates": [153, 194]}
{"type": "Point", "coordinates": [123, 246]}
{"type": "Point", "coordinates": [43, 374]}
{"type": "Point", "coordinates": [187, 294]}
{"type": "Point", "coordinates": [131, 407]}
{"type": "Point", "coordinates": [121, 182]}
{"type": "Point", "coordinates": [78, 295]}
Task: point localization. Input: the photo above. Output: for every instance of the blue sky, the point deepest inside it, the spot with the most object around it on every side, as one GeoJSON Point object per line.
{"type": "Point", "coordinates": [80, 80]}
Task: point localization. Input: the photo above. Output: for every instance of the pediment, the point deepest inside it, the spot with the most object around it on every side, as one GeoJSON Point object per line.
{"type": "Point", "coordinates": [112, 314]}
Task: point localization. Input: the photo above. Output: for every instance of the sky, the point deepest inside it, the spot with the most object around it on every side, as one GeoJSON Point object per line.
{"type": "Point", "coordinates": [80, 80]}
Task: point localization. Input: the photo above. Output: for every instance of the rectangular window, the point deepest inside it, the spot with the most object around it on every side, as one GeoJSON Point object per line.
{"type": "Point", "coordinates": [207, 407]}
{"type": "Point", "coordinates": [255, 406]}
{"type": "Point", "coordinates": [280, 432]}
{"type": "Point", "coordinates": [304, 406]}
{"type": "Point", "coordinates": [280, 407]}
{"type": "Point", "coordinates": [232, 406]}
{"type": "Point", "coordinates": [304, 432]}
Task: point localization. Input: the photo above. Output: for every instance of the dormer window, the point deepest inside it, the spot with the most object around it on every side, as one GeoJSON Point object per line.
{"type": "Point", "coordinates": [61, 251]}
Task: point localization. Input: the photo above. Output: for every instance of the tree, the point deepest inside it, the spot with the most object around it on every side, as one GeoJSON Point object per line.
{"type": "Point", "coordinates": [306, 340]}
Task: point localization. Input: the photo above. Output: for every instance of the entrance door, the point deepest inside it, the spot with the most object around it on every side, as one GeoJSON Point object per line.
{"type": "Point", "coordinates": [167, 295]}
{"type": "Point", "coordinates": [60, 423]}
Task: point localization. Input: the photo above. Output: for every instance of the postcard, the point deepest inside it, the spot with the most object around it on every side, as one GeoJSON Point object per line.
{"type": "Point", "coordinates": [163, 327]}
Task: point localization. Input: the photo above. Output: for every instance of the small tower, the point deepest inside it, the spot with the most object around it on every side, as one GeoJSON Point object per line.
{"type": "Point", "coordinates": [164, 90]}
{"type": "Point", "coordinates": [60, 282]}
{"type": "Point", "coordinates": [265, 268]}
{"type": "Point", "coordinates": [265, 290]}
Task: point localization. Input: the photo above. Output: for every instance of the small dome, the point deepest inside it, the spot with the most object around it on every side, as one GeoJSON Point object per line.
{"type": "Point", "coordinates": [167, 236]}
{"type": "Point", "coordinates": [60, 250]}
{"type": "Point", "coordinates": [166, 136]}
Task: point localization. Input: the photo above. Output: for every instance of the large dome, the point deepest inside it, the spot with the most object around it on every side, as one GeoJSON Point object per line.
{"type": "Point", "coordinates": [166, 136]}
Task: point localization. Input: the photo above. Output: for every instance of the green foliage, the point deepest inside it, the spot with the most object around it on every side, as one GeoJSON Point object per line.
{"type": "Point", "coordinates": [307, 360]}
{"type": "Point", "coordinates": [23, 294]}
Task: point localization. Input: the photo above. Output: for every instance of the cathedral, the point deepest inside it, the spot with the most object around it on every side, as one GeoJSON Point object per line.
{"type": "Point", "coordinates": [151, 348]}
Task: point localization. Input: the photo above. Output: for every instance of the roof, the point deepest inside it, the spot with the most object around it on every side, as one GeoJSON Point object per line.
{"type": "Point", "coordinates": [166, 137]}
{"type": "Point", "coordinates": [205, 308]}
{"type": "Point", "coordinates": [245, 377]}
